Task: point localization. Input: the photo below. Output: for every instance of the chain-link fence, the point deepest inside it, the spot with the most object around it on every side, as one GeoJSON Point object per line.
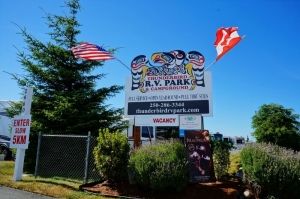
{"type": "Point", "coordinates": [68, 156]}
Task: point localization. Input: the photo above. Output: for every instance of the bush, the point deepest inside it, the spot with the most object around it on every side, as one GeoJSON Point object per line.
{"type": "Point", "coordinates": [275, 169]}
{"type": "Point", "coordinates": [234, 163]}
{"type": "Point", "coordinates": [160, 167]}
{"type": "Point", "coordinates": [112, 155]}
{"type": "Point", "coordinates": [221, 157]}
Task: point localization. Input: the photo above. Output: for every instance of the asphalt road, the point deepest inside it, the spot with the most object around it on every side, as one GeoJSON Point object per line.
{"type": "Point", "coordinates": [9, 193]}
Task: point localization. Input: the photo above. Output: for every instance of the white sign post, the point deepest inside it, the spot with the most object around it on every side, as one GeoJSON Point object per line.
{"type": "Point", "coordinates": [20, 134]}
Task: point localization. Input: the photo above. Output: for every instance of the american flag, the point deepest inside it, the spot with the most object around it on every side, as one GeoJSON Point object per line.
{"type": "Point", "coordinates": [89, 51]}
{"type": "Point", "coordinates": [226, 39]}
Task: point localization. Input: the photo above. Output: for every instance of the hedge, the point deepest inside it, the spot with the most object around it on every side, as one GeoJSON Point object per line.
{"type": "Point", "coordinates": [275, 169]}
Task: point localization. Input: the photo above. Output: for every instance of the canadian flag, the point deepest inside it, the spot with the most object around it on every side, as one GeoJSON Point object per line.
{"type": "Point", "coordinates": [226, 39]}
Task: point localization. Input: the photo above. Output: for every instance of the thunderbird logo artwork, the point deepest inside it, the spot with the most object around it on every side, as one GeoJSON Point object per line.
{"type": "Point", "coordinates": [174, 70]}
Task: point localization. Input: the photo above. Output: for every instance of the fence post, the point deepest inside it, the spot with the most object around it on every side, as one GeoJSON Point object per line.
{"type": "Point", "coordinates": [37, 154]}
{"type": "Point", "coordinates": [86, 168]}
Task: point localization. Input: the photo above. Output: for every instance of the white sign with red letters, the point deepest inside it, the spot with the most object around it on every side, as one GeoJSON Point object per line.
{"type": "Point", "coordinates": [20, 131]}
{"type": "Point", "coordinates": [157, 120]}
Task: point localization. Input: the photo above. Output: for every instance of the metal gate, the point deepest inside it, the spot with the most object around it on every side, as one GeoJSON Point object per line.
{"type": "Point", "coordinates": [68, 156]}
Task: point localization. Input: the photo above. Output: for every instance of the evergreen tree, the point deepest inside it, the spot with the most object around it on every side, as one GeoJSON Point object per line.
{"type": "Point", "coordinates": [65, 96]}
{"type": "Point", "coordinates": [65, 100]}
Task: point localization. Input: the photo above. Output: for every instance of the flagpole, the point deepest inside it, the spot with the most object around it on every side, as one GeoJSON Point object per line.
{"type": "Point", "coordinates": [209, 65]}
{"type": "Point", "coordinates": [122, 63]}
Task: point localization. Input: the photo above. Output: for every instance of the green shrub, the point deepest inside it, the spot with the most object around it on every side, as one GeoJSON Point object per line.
{"type": "Point", "coordinates": [112, 155]}
{"type": "Point", "coordinates": [275, 169]}
{"type": "Point", "coordinates": [159, 167]}
{"type": "Point", "coordinates": [221, 158]}
{"type": "Point", "coordinates": [234, 163]}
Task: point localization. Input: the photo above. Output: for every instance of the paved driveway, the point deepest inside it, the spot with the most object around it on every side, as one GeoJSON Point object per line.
{"type": "Point", "coordinates": [10, 193]}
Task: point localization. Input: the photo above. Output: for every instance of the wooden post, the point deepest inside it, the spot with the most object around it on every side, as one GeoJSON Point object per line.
{"type": "Point", "coordinates": [136, 136]}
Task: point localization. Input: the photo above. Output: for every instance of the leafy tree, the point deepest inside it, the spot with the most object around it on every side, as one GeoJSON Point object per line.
{"type": "Point", "coordinates": [278, 125]}
{"type": "Point", "coordinates": [14, 108]}
{"type": "Point", "coordinates": [65, 99]}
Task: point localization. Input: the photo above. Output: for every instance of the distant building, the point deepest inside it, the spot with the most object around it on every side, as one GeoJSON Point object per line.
{"type": "Point", "coordinates": [5, 121]}
{"type": "Point", "coordinates": [217, 136]}
{"type": "Point", "coordinates": [238, 141]}
{"type": "Point", "coordinates": [4, 105]}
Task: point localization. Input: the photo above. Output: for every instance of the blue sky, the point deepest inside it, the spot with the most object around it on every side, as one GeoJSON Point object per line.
{"type": "Point", "coordinates": [263, 68]}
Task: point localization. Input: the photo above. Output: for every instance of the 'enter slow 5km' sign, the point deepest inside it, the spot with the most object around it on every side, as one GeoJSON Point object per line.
{"type": "Point", "coordinates": [20, 131]}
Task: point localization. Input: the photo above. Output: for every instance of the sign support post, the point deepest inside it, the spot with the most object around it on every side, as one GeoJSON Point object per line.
{"type": "Point", "coordinates": [202, 123]}
{"type": "Point", "coordinates": [19, 162]}
{"type": "Point", "coordinates": [154, 133]}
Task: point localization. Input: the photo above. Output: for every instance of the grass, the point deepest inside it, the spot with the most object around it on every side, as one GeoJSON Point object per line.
{"type": "Point", "coordinates": [55, 187]}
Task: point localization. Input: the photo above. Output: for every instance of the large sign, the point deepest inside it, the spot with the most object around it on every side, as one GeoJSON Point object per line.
{"type": "Point", "coordinates": [175, 83]}
{"type": "Point", "coordinates": [20, 132]}
{"type": "Point", "coordinates": [199, 155]}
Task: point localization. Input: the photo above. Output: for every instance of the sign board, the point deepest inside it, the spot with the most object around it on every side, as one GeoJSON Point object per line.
{"type": "Point", "coordinates": [190, 122]}
{"type": "Point", "coordinates": [174, 84]}
{"type": "Point", "coordinates": [20, 131]}
{"type": "Point", "coordinates": [199, 155]}
{"type": "Point", "coordinates": [156, 120]}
